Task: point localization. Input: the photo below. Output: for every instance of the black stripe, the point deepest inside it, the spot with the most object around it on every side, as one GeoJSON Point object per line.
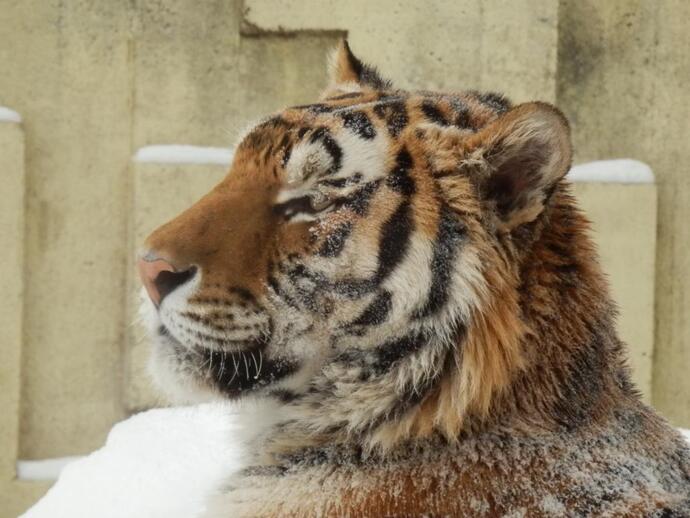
{"type": "Point", "coordinates": [337, 183]}
{"type": "Point", "coordinates": [462, 119]}
{"type": "Point", "coordinates": [284, 141]}
{"type": "Point", "coordinates": [384, 355]}
{"type": "Point", "coordinates": [280, 293]}
{"type": "Point", "coordinates": [358, 122]}
{"type": "Point", "coordinates": [432, 113]}
{"type": "Point", "coordinates": [461, 114]}
{"type": "Point", "coordinates": [366, 74]}
{"type": "Point", "coordinates": [289, 208]}
{"type": "Point", "coordinates": [335, 241]}
{"type": "Point", "coordinates": [358, 202]}
{"type": "Point", "coordinates": [376, 312]}
{"type": "Point", "coordinates": [395, 115]}
{"type": "Point", "coordinates": [497, 102]}
{"type": "Point", "coordinates": [394, 350]}
{"type": "Point", "coordinates": [451, 232]}
{"type": "Point", "coordinates": [354, 288]}
{"type": "Point", "coordinates": [314, 108]}
{"type": "Point", "coordinates": [306, 293]}
{"type": "Point", "coordinates": [299, 271]}
{"type": "Point", "coordinates": [331, 146]}
{"type": "Point", "coordinates": [399, 178]}
{"type": "Point", "coordinates": [394, 240]}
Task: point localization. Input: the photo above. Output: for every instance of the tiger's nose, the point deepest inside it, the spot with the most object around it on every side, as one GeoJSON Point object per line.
{"type": "Point", "coordinates": [160, 277]}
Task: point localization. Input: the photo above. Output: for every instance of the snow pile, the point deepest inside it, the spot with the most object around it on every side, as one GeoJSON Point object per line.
{"type": "Point", "coordinates": [183, 154]}
{"type": "Point", "coordinates": [7, 115]}
{"type": "Point", "coordinates": [161, 463]}
{"type": "Point", "coordinates": [622, 170]}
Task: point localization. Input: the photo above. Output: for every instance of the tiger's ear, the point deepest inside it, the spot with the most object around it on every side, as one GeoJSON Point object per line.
{"type": "Point", "coordinates": [347, 73]}
{"type": "Point", "coordinates": [522, 156]}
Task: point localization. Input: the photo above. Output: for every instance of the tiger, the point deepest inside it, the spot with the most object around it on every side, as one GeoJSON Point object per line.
{"type": "Point", "coordinates": [401, 292]}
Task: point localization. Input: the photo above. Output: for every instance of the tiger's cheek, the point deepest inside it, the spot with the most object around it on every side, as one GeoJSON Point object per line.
{"type": "Point", "coordinates": [293, 242]}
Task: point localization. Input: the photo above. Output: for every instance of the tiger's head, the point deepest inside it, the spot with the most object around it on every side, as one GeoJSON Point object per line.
{"type": "Point", "coordinates": [360, 262]}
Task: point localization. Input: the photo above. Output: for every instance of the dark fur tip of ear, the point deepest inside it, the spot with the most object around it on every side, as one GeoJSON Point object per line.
{"type": "Point", "coordinates": [350, 67]}
{"type": "Point", "coordinates": [354, 63]}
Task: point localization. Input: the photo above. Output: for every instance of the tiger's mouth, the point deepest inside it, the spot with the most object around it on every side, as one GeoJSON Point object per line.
{"type": "Point", "coordinates": [244, 366]}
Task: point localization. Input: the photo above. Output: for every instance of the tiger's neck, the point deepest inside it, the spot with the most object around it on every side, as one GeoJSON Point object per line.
{"type": "Point", "coordinates": [540, 352]}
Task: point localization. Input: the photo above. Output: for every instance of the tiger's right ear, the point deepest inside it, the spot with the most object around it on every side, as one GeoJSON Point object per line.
{"type": "Point", "coordinates": [515, 162]}
{"type": "Point", "coordinates": [522, 155]}
{"type": "Point", "coordinates": [348, 74]}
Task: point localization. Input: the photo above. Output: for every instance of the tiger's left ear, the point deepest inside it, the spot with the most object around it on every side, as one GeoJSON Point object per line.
{"type": "Point", "coordinates": [347, 73]}
{"type": "Point", "coordinates": [522, 156]}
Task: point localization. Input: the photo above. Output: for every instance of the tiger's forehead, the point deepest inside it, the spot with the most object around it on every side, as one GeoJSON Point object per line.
{"type": "Point", "coordinates": [306, 139]}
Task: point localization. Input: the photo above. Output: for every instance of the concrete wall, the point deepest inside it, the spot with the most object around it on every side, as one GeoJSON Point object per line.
{"type": "Point", "coordinates": [96, 80]}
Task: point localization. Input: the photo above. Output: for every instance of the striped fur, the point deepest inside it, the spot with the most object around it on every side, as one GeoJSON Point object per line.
{"type": "Point", "coordinates": [403, 285]}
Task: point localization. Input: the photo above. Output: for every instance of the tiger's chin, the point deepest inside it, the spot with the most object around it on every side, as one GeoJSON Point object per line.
{"type": "Point", "coordinates": [192, 374]}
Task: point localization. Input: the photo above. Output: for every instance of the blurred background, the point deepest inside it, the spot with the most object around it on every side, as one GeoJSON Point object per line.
{"type": "Point", "coordinates": [87, 87]}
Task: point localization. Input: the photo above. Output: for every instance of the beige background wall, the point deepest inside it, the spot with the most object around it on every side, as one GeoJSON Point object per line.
{"type": "Point", "coordinates": [95, 80]}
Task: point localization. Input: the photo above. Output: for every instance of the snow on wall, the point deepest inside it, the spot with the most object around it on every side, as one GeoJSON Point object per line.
{"type": "Point", "coordinates": [7, 115]}
{"type": "Point", "coordinates": [45, 469]}
{"type": "Point", "coordinates": [183, 154]}
{"type": "Point", "coordinates": [622, 170]}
